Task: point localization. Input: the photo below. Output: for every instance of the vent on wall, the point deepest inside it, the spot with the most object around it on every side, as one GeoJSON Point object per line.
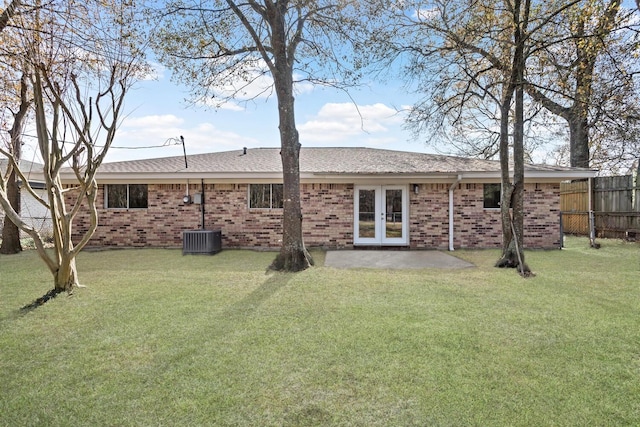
{"type": "Point", "coordinates": [206, 242]}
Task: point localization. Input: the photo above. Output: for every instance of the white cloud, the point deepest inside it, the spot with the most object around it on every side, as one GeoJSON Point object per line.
{"type": "Point", "coordinates": [237, 85]}
{"type": "Point", "coordinates": [153, 71]}
{"type": "Point", "coordinates": [159, 136]}
{"type": "Point", "coordinates": [422, 15]}
{"type": "Point", "coordinates": [302, 86]}
{"type": "Point", "coordinates": [254, 83]}
{"type": "Point", "coordinates": [341, 122]}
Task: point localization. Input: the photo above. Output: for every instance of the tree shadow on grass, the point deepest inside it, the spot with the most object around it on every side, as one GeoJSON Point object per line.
{"type": "Point", "coordinates": [250, 303]}
{"type": "Point", "coordinates": [38, 302]}
{"type": "Point", "coordinates": [235, 316]}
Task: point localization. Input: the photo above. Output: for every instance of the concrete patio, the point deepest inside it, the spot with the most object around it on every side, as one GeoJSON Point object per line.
{"type": "Point", "coordinates": [393, 259]}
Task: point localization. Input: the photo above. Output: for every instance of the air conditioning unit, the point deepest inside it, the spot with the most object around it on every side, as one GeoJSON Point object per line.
{"type": "Point", "coordinates": [206, 242]}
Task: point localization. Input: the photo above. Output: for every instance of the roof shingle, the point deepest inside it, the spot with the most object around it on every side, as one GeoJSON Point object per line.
{"type": "Point", "coordinates": [317, 160]}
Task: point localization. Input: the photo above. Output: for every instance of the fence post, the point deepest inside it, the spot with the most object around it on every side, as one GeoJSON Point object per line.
{"type": "Point", "coordinates": [592, 219]}
{"type": "Point", "coordinates": [561, 231]}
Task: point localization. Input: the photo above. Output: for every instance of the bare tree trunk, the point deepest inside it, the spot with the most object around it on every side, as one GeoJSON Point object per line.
{"type": "Point", "coordinates": [578, 121]}
{"type": "Point", "coordinates": [293, 255]}
{"type": "Point", "coordinates": [579, 140]}
{"type": "Point", "coordinates": [508, 245]}
{"type": "Point", "coordinates": [513, 196]}
{"type": "Point", "coordinates": [10, 231]}
{"type": "Point", "coordinates": [518, 158]}
{"type": "Point", "coordinates": [66, 277]}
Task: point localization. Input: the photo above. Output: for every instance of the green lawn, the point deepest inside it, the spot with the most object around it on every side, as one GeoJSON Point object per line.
{"type": "Point", "coordinates": [158, 338]}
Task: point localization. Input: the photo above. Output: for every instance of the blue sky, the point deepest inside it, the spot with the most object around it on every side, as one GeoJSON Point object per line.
{"type": "Point", "coordinates": [159, 111]}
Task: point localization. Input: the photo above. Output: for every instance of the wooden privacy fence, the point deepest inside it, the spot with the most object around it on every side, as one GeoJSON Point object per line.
{"type": "Point", "coordinates": [615, 206]}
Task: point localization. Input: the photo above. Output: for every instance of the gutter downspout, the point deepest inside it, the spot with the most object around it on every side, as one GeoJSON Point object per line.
{"type": "Point", "coordinates": [202, 204]}
{"type": "Point", "coordinates": [453, 186]}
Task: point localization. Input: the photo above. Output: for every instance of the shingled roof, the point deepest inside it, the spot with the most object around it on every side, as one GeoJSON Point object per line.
{"type": "Point", "coordinates": [320, 164]}
{"type": "Point", "coordinates": [318, 160]}
{"type": "Point", "coordinates": [33, 171]}
{"type": "Point", "coordinates": [26, 166]}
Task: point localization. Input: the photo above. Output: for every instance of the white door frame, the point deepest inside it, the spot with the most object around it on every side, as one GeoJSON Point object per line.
{"type": "Point", "coordinates": [380, 217]}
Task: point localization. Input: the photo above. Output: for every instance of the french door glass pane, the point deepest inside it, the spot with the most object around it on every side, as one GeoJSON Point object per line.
{"type": "Point", "coordinates": [367, 213]}
{"type": "Point", "coordinates": [393, 220]}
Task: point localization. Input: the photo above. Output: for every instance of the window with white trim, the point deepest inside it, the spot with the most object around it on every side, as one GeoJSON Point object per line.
{"type": "Point", "coordinates": [492, 196]}
{"type": "Point", "coordinates": [126, 196]}
{"type": "Point", "coordinates": [266, 196]}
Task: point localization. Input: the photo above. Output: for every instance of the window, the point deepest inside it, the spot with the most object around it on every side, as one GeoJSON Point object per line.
{"type": "Point", "coordinates": [265, 196]}
{"type": "Point", "coordinates": [492, 196]}
{"type": "Point", "coordinates": [126, 196]}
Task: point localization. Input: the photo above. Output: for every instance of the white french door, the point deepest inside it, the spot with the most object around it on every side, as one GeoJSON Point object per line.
{"type": "Point", "coordinates": [381, 215]}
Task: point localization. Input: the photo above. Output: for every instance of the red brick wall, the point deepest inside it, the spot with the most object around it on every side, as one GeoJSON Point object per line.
{"type": "Point", "coordinates": [327, 211]}
{"type": "Point", "coordinates": [328, 218]}
{"type": "Point", "coordinates": [429, 216]}
{"type": "Point", "coordinates": [542, 216]}
{"type": "Point", "coordinates": [476, 227]}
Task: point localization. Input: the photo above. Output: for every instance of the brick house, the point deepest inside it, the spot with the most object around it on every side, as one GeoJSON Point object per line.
{"type": "Point", "coordinates": [350, 197]}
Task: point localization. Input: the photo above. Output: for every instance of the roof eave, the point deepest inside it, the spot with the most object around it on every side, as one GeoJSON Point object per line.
{"type": "Point", "coordinates": [534, 175]}
{"type": "Point", "coordinates": [329, 177]}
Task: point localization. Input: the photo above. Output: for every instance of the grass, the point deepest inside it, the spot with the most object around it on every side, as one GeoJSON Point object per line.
{"type": "Point", "coordinates": [158, 338]}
